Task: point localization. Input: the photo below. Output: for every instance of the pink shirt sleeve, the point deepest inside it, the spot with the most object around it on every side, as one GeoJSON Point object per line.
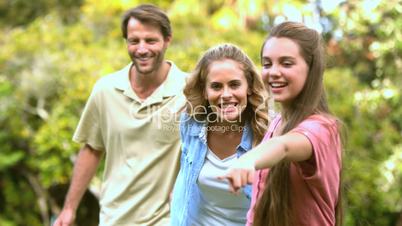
{"type": "Point", "coordinates": [323, 136]}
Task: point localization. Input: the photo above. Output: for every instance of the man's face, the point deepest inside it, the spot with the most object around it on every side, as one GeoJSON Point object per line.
{"type": "Point", "coordinates": [146, 46]}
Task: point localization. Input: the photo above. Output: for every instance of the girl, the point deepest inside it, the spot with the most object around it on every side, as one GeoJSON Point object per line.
{"type": "Point", "coordinates": [226, 114]}
{"type": "Point", "coordinates": [298, 164]}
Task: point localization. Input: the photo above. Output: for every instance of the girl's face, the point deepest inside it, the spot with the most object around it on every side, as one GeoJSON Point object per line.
{"type": "Point", "coordinates": [284, 70]}
{"type": "Point", "coordinates": [226, 90]}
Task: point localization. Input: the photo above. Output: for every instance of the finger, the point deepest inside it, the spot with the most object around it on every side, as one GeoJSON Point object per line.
{"type": "Point", "coordinates": [229, 178]}
{"type": "Point", "coordinates": [250, 177]}
{"type": "Point", "coordinates": [237, 181]}
{"type": "Point", "coordinates": [232, 184]}
{"type": "Point", "coordinates": [223, 177]}
{"type": "Point", "coordinates": [244, 178]}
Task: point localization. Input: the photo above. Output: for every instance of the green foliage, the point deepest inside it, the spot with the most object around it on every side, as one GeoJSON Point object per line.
{"type": "Point", "coordinates": [371, 48]}
{"type": "Point", "coordinates": [372, 39]}
{"type": "Point", "coordinates": [22, 12]}
{"type": "Point", "coordinates": [10, 159]}
{"type": "Point", "coordinates": [53, 52]}
{"type": "Point", "coordinates": [372, 152]}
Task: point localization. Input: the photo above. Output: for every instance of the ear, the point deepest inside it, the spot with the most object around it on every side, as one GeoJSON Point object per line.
{"type": "Point", "coordinates": [168, 40]}
{"type": "Point", "coordinates": [249, 92]}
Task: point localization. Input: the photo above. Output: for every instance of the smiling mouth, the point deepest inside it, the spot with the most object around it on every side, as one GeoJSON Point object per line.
{"type": "Point", "coordinates": [278, 84]}
{"type": "Point", "coordinates": [143, 58]}
{"type": "Point", "coordinates": [227, 105]}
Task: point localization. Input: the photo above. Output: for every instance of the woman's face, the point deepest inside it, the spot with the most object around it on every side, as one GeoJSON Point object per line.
{"type": "Point", "coordinates": [226, 90]}
{"type": "Point", "coordinates": [284, 70]}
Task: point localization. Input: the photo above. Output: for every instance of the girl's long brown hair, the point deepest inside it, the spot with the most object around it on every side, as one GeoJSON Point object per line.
{"type": "Point", "coordinates": [274, 207]}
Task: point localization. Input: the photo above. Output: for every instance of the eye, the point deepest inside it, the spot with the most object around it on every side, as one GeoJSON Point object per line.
{"type": "Point", "coordinates": [215, 86]}
{"type": "Point", "coordinates": [152, 41]}
{"type": "Point", "coordinates": [266, 64]}
{"type": "Point", "coordinates": [132, 41]}
{"type": "Point", "coordinates": [287, 63]}
{"type": "Point", "coordinates": [235, 84]}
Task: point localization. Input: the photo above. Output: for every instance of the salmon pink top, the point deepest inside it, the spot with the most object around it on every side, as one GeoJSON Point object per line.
{"type": "Point", "coordinates": [314, 182]}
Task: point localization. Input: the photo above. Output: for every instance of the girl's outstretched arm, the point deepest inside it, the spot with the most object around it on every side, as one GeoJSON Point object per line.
{"type": "Point", "coordinates": [292, 146]}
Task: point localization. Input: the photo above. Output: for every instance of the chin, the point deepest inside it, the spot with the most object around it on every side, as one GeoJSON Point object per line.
{"type": "Point", "coordinates": [278, 99]}
{"type": "Point", "coordinates": [231, 119]}
{"type": "Point", "coordinates": [145, 70]}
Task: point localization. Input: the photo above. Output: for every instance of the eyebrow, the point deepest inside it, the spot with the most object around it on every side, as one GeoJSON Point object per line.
{"type": "Point", "coordinates": [233, 80]}
{"type": "Point", "coordinates": [281, 57]}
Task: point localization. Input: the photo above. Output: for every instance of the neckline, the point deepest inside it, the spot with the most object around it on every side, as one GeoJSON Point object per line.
{"type": "Point", "coordinates": [275, 126]}
{"type": "Point", "coordinates": [219, 159]}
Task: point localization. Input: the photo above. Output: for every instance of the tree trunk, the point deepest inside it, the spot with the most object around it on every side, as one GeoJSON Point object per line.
{"type": "Point", "coordinates": [41, 194]}
{"type": "Point", "coordinates": [399, 222]}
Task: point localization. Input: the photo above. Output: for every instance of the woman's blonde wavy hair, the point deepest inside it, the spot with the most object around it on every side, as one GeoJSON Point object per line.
{"type": "Point", "coordinates": [256, 111]}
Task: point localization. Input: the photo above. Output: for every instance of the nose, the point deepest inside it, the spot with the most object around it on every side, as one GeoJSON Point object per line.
{"type": "Point", "coordinates": [142, 48]}
{"type": "Point", "coordinates": [274, 70]}
{"type": "Point", "coordinates": [227, 93]}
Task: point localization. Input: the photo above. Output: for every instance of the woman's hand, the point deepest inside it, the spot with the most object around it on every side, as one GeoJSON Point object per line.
{"type": "Point", "coordinates": [239, 174]}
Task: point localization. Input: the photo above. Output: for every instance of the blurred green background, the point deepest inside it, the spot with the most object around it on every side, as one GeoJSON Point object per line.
{"type": "Point", "coordinates": [52, 52]}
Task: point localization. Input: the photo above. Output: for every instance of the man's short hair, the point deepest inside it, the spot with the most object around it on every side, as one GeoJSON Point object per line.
{"type": "Point", "coordinates": [148, 14]}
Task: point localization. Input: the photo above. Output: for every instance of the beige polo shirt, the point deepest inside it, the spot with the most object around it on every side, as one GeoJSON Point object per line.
{"type": "Point", "coordinates": [142, 145]}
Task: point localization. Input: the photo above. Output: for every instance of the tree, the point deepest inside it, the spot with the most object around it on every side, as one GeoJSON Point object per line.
{"type": "Point", "coordinates": [53, 52]}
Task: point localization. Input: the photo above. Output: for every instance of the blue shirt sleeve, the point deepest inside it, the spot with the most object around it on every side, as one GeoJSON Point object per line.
{"type": "Point", "coordinates": [247, 190]}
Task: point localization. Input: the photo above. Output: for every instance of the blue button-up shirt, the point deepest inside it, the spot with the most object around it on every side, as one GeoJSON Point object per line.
{"type": "Point", "coordinates": [186, 193]}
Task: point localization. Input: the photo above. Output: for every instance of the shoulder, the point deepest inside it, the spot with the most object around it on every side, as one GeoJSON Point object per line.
{"type": "Point", "coordinates": [175, 81]}
{"type": "Point", "coordinates": [247, 136]}
{"type": "Point", "coordinates": [176, 71]}
{"type": "Point", "coordinates": [189, 125]}
{"type": "Point", "coordinates": [192, 129]}
{"type": "Point", "coordinates": [318, 122]}
{"type": "Point", "coordinates": [177, 74]}
{"type": "Point", "coordinates": [272, 125]}
{"type": "Point", "coordinates": [112, 80]}
{"type": "Point", "coordinates": [319, 128]}
{"type": "Point", "coordinates": [115, 80]}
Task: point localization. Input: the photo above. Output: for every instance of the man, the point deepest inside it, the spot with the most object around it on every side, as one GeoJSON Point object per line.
{"type": "Point", "coordinates": [131, 117]}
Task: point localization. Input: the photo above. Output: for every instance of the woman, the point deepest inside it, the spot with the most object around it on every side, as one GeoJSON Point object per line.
{"type": "Point", "coordinates": [298, 164]}
{"type": "Point", "coordinates": [226, 114]}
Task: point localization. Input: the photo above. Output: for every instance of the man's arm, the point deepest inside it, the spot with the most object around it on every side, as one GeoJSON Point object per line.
{"type": "Point", "coordinates": [84, 170]}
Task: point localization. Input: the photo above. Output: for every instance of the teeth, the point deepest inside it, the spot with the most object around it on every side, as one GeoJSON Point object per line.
{"type": "Point", "coordinates": [228, 104]}
{"type": "Point", "coordinates": [277, 85]}
{"type": "Point", "coordinates": [143, 57]}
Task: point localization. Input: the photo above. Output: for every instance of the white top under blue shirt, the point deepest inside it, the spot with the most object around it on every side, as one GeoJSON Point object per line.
{"type": "Point", "coordinates": [199, 198]}
{"type": "Point", "coordinates": [217, 205]}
